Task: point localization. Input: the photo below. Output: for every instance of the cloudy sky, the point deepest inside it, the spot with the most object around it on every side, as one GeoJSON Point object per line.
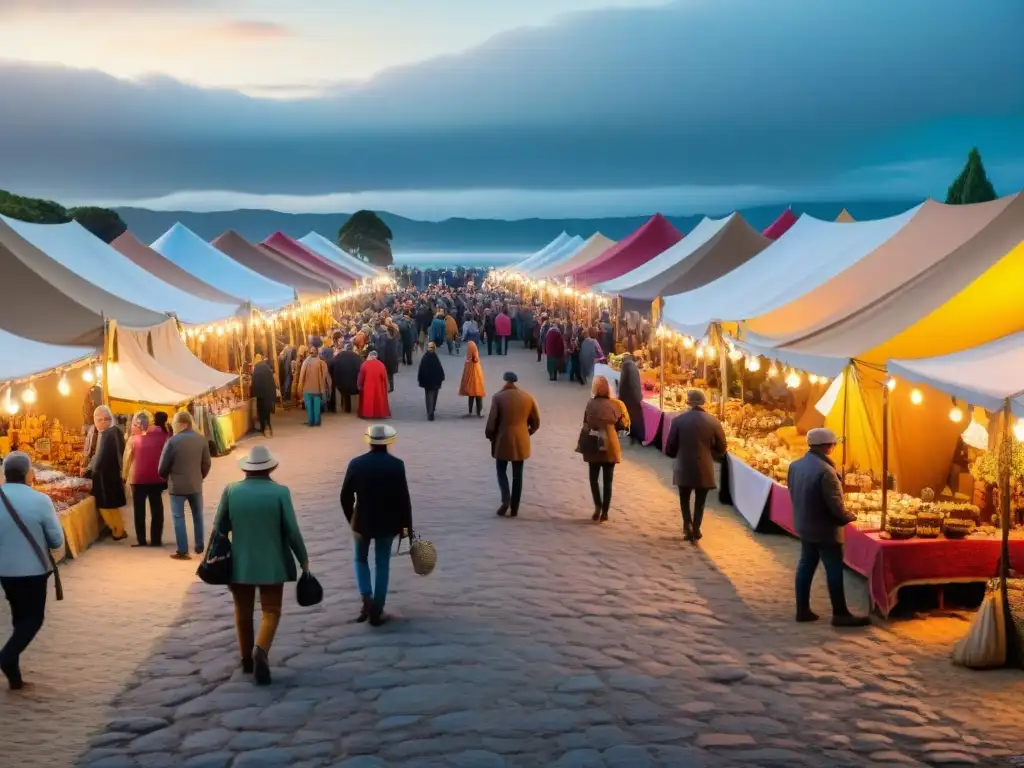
{"type": "Point", "coordinates": [508, 108]}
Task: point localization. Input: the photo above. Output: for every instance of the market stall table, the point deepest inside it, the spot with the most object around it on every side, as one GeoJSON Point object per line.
{"type": "Point", "coordinates": [82, 526]}
{"type": "Point", "coordinates": [229, 427]}
{"type": "Point", "coordinates": [750, 491]}
{"type": "Point", "coordinates": [603, 369]}
{"type": "Point", "coordinates": [652, 420]}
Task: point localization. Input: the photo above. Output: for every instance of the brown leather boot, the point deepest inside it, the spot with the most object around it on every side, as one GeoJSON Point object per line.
{"type": "Point", "coordinates": [366, 610]}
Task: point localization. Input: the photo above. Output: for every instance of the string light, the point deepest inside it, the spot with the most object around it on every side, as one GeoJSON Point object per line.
{"type": "Point", "coordinates": [10, 404]}
{"type": "Point", "coordinates": [735, 355]}
{"type": "Point", "coordinates": [956, 415]}
{"type": "Point", "coordinates": [700, 351]}
{"type": "Point", "coordinates": [98, 372]}
{"type": "Point", "coordinates": [773, 371]}
{"type": "Point", "coordinates": [87, 376]}
{"type": "Point", "coordinates": [890, 383]}
{"type": "Point", "coordinates": [712, 353]}
{"type": "Point", "coordinates": [812, 378]}
{"type": "Point", "coordinates": [63, 386]}
{"type": "Point", "coordinates": [29, 395]}
{"type": "Point", "coordinates": [793, 380]}
{"type": "Point", "coordinates": [1018, 430]}
{"type": "Point", "coordinates": [916, 397]}
{"type": "Point", "coordinates": [687, 342]}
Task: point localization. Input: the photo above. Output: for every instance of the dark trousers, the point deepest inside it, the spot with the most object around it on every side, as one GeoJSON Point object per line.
{"type": "Point", "coordinates": [831, 556]}
{"type": "Point", "coordinates": [431, 395]}
{"type": "Point", "coordinates": [691, 523]}
{"type": "Point", "coordinates": [602, 500]}
{"type": "Point", "coordinates": [490, 344]}
{"type": "Point", "coordinates": [153, 493]}
{"type": "Point", "coordinates": [27, 596]}
{"type": "Point", "coordinates": [479, 402]}
{"type": "Point", "coordinates": [510, 497]}
{"type": "Point", "coordinates": [344, 401]}
{"type": "Point", "coordinates": [540, 352]}
{"type": "Point", "coordinates": [263, 414]}
{"type": "Point", "coordinates": [407, 354]}
{"type": "Point", "coordinates": [502, 345]}
{"type": "Point", "coordinates": [574, 364]}
{"type": "Point", "coordinates": [391, 382]}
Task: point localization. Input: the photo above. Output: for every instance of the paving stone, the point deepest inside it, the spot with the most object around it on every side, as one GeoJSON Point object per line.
{"type": "Point", "coordinates": [708, 740]}
{"type": "Point", "coordinates": [581, 758]}
{"type": "Point", "coordinates": [627, 756]}
{"type": "Point", "coordinates": [477, 758]}
{"type": "Point", "coordinates": [263, 758]}
{"type": "Point", "coordinates": [137, 725]}
{"type": "Point", "coordinates": [253, 740]}
{"type": "Point", "coordinates": [582, 684]}
{"type": "Point", "coordinates": [210, 760]}
{"type": "Point", "coordinates": [362, 761]}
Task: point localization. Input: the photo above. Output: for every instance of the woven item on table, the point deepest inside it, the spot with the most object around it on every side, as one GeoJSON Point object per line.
{"type": "Point", "coordinates": [929, 523]}
{"type": "Point", "coordinates": [901, 525]}
{"type": "Point", "coordinates": [424, 556]}
{"type": "Point", "coordinates": [956, 528]}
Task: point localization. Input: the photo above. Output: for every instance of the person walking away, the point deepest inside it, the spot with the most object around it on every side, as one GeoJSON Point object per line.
{"type": "Point", "coordinates": [451, 331]}
{"type": "Point", "coordinates": [695, 441]}
{"type": "Point", "coordinates": [439, 330]}
{"type": "Point", "coordinates": [820, 515]}
{"type": "Point", "coordinates": [590, 353]}
{"type": "Point", "coordinates": [512, 421]}
{"type": "Point", "coordinates": [489, 330]}
{"type": "Point", "coordinates": [24, 566]}
{"type": "Point", "coordinates": [472, 384]}
{"type": "Point", "coordinates": [525, 317]}
{"type": "Point", "coordinates": [430, 377]}
{"type": "Point", "coordinates": [607, 334]}
{"type": "Point", "coordinates": [471, 331]}
{"type": "Point", "coordinates": [257, 513]}
{"type": "Point", "coordinates": [376, 502]}
{"type": "Point", "coordinates": [184, 464]}
{"type": "Point", "coordinates": [161, 420]}
{"type": "Point", "coordinates": [264, 389]}
{"type": "Point", "coordinates": [345, 375]}
{"type": "Point", "coordinates": [603, 418]}
{"type": "Point", "coordinates": [575, 370]}
{"type": "Point", "coordinates": [502, 331]}
{"type": "Point", "coordinates": [373, 389]}
{"type": "Point", "coordinates": [314, 384]}
{"type": "Point", "coordinates": [392, 355]}
{"type": "Point", "coordinates": [407, 331]}
{"type": "Point", "coordinates": [632, 394]}
{"type": "Point", "coordinates": [554, 348]}
{"type": "Point", "coordinates": [297, 361]}
{"type": "Point", "coordinates": [105, 472]}
{"type": "Point", "coordinates": [147, 485]}
{"type": "Point", "coordinates": [540, 333]}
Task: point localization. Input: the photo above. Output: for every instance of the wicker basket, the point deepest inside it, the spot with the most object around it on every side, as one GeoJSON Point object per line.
{"type": "Point", "coordinates": [423, 555]}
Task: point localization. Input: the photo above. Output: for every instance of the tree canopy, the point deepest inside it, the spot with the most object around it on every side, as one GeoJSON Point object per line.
{"type": "Point", "coordinates": [366, 236]}
{"type": "Point", "coordinates": [32, 209]}
{"type": "Point", "coordinates": [972, 185]}
{"type": "Point", "coordinates": [106, 224]}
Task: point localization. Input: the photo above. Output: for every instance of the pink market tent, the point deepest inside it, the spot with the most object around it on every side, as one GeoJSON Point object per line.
{"type": "Point", "coordinates": [781, 225]}
{"type": "Point", "coordinates": [273, 265]}
{"type": "Point", "coordinates": [311, 260]}
{"type": "Point", "coordinates": [156, 264]}
{"type": "Point", "coordinates": [656, 235]}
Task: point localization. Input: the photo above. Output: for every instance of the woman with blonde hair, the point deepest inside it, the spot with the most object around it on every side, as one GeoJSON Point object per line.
{"type": "Point", "coordinates": [105, 472]}
{"type": "Point", "coordinates": [603, 419]}
{"type": "Point", "coordinates": [472, 384]}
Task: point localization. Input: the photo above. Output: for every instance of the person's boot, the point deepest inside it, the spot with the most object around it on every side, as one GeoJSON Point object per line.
{"type": "Point", "coordinates": [849, 620]}
{"type": "Point", "coordinates": [597, 513]}
{"type": "Point", "coordinates": [805, 615]}
{"type": "Point", "coordinates": [503, 509]}
{"type": "Point", "coordinates": [604, 516]}
{"type": "Point", "coordinates": [378, 618]}
{"type": "Point", "coordinates": [367, 608]}
{"type": "Point", "coordinates": [261, 666]}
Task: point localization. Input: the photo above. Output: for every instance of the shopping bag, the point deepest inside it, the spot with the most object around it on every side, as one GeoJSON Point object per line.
{"type": "Point", "coordinates": [984, 646]}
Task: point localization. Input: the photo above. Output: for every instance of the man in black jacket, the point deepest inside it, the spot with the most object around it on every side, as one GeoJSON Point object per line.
{"type": "Point", "coordinates": [375, 500]}
{"type": "Point", "coordinates": [820, 515]}
{"type": "Point", "coordinates": [345, 375]}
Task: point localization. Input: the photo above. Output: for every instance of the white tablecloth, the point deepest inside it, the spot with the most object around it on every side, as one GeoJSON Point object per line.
{"type": "Point", "coordinates": [601, 369]}
{"type": "Point", "coordinates": [749, 489]}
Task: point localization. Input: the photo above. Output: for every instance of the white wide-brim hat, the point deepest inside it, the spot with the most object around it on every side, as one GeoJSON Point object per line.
{"type": "Point", "coordinates": [380, 434]}
{"type": "Point", "coordinates": [259, 459]}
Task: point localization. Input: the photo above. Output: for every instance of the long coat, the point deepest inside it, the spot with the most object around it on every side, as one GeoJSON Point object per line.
{"type": "Point", "coordinates": [513, 418]}
{"type": "Point", "coordinates": [631, 393]}
{"type": "Point", "coordinates": [590, 352]}
{"type": "Point", "coordinates": [438, 330]}
{"type": "Point", "coordinates": [431, 372]}
{"type": "Point", "coordinates": [451, 328]}
{"type": "Point", "coordinates": [345, 371]}
{"type": "Point", "coordinates": [264, 388]}
{"type": "Point", "coordinates": [375, 495]}
{"type": "Point", "coordinates": [472, 384]}
{"type": "Point", "coordinates": [392, 354]}
{"type": "Point", "coordinates": [105, 470]}
{"type": "Point", "coordinates": [605, 414]}
{"type": "Point", "coordinates": [265, 536]}
{"type": "Point", "coordinates": [695, 440]}
{"type": "Point", "coordinates": [819, 514]}
{"type": "Point", "coordinates": [373, 391]}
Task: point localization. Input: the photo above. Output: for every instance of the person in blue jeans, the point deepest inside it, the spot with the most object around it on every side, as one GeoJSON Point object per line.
{"type": "Point", "coordinates": [314, 382]}
{"type": "Point", "coordinates": [184, 464]}
{"type": "Point", "coordinates": [376, 502]}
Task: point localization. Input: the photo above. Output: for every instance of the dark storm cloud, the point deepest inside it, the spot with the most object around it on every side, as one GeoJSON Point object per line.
{"type": "Point", "coordinates": [733, 92]}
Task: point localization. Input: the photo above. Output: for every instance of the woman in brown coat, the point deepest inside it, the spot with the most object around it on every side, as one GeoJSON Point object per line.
{"type": "Point", "coordinates": [472, 384]}
{"type": "Point", "coordinates": [603, 419]}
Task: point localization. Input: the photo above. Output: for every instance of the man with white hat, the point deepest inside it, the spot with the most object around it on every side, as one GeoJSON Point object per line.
{"type": "Point", "coordinates": [820, 516]}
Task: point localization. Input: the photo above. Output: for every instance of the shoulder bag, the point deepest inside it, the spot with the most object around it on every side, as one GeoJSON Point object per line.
{"type": "Point", "coordinates": [46, 561]}
{"type": "Point", "coordinates": [217, 566]}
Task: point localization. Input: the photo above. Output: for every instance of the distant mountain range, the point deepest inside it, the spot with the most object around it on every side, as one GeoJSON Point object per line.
{"type": "Point", "coordinates": [478, 236]}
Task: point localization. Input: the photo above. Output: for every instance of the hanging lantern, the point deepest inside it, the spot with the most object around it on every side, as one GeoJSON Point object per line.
{"type": "Point", "coordinates": [28, 395]}
{"type": "Point", "coordinates": [916, 396]}
{"type": "Point", "coordinates": [773, 370]}
{"type": "Point", "coordinates": [63, 386]}
{"type": "Point", "coordinates": [754, 364]}
{"type": "Point", "coordinates": [87, 376]}
{"type": "Point", "coordinates": [793, 380]}
{"type": "Point", "coordinates": [10, 404]}
{"type": "Point", "coordinates": [956, 415]}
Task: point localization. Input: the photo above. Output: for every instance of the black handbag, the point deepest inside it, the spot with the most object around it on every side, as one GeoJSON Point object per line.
{"type": "Point", "coordinates": [308, 590]}
{"type": "Point", "coordinates": [217, 565]}
{"type": "Point", "coordinates": [589, 443]}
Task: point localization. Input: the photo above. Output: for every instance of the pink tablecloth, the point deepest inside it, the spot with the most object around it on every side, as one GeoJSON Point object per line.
{"type": "Point", "coordinates": [652, 421]}
{"type": "Point", "coordinates": [780, 508]}
{"type": "Point", "coordinates": [666, 425]}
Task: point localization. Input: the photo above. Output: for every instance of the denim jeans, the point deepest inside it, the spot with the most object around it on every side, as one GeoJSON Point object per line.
{"type": "Point", "coordinates": [512, 496]}
{"type": "Point", "coordinates": [195, 503]}
{"type": "Point", "coordinates": [312, 409]}
{"type": "Point", "coordinates": [27, 596]}
{"type": "Point", "coordinates": [378, 589]}
{"type": "Point", "coordinates": [831, 556]}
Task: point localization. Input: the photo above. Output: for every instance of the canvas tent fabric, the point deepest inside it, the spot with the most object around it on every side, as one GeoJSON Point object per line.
{"type": "Point", "coordinates": [74, 308]}
{"type": "Point", "coordinates": [781, 225]}
{"type": "Point", "coordinates": [80, 251]}
{"type": "Point", "coordinates": [193, 254]}
{"type": "Point", "coordinates": [272, 265]}
{"type": "Point", "coordinates": [714, 248]}
{"type": "Point", "coordinates": [21, 358]}
{"type": "Point", "coordinates": [317, 242]}
{"type": "Point", "coordinates": [591, 250]}
{"type": "Point", "coordinates": [336, 275]}
{"type": "Point", "coordinates": [811, 253]}
{"type": "Point", "coordinates": [529, 261]}
{"type": "Point", "coordinates": [559, 254]}
{"type": "Point", "coordinates": [845, 217]}
{"type": "Point", "coordinates": [654, 236]}
{"type": "Point", "coordinates": [131, 247]}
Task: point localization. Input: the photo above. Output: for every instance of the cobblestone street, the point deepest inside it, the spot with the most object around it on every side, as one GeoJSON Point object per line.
{"type": "Point", "coordinates": [542, 640]}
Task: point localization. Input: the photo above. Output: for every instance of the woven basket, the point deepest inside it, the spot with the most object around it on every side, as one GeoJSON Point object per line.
{"type": "Point", "coordinates": [423, 555]}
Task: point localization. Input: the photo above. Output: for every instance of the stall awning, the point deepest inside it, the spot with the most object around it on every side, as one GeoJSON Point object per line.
{"type": "Point", "coordinates": [156, 264]}
{"type": "Point", "coordinates": [596, 245]}
{"type": "Point", "coordinates": [338, 276]}
{"type": "Point", "coordinates": [564, 253]}
{"type": "Point", "coordinates": [272, 265]}
{"type": "Point", "coordinates": [554, 245]}
{"type": "Point", "coordinates": [21, 358]}
{"type": "Point", "coordinates": [654, 237]}
{"type": "Point", "coordinates": [329, 250]}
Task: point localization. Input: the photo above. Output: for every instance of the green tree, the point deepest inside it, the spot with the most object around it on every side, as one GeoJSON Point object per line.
{"type": "Point", "coordinates": [972, 185]}
{"type": "Point", "coordinates": [32, 209]}
{"type": "Point", "coordinates": [106, 224]}
{"type": "Point", "coordinates": [366, 236]}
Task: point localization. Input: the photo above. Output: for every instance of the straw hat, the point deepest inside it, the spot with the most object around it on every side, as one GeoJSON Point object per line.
{"type": "Point", "coordinates": [259, 459]}
{"type": "Point", "coordinates": [380, 434]}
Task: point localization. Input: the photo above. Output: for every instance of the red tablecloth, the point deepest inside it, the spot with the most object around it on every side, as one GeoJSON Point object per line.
{"type": "Point", "coordinates": [780, 508]}
{"type": "Point", "coordinates": [652, 421]}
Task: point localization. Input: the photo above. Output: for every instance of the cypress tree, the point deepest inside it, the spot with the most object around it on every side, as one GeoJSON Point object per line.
{"type": "Point", "coordinates": [972, 185]}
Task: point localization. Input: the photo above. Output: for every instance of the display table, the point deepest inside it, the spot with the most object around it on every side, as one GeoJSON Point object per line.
{"type": "Point", "coordinates": [750, 491]}
{"type": "Point", "coordinates": [667, 417]}
{"type": "Point", "coordinates": [780, 509]}
{"type": "Point", "coordinates": [82, 526]}
{"type": "Point", "coordinates": [652, 420]}
{"type": "Point", "coordinates": [229, 427]}
{"type": "Point", "coordinates": [603, 369]}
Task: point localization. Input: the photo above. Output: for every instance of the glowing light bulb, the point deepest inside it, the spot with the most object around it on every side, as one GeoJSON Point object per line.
{"type": "Point", "coordinates": [220, 330]}
{"type": "Point", "coordinates": [890, 383]}
{"type": "Point", "coordinates": [202, 337]}
{"type": "Point", "coordinates": [916, 397]}
{"type": "Point", "coordinates": [712, 353]}
{"type": "Point", "coordinates": [700, 351]}
{"type": "Point", "coordinates": [28, 395]}
{"type": "Point", "coordinates": [754, 364]}
{"type": "Point", "coordinates": [687, 342]}
{"type": "Point", "coordinates": [1018, 430]}
{"type": "Point", "coordinates": [87, 376]}
{"type": "Point", "coordinates": [773, 370]}
{"type": "Point", "coordinates": [10, 404]}
{"type": "Point", "coordinates": [98, 372]}
{"type": "Point", "coordinates": [735, 354]}
{"type": "Point", "coordinates": [793, 380]}
{"type": "Point", "coordinates": [63, 386]}
{"type": "Point", "coordinates": [956, 415]}
{"type": "Point", "coordinates": [812, 378]}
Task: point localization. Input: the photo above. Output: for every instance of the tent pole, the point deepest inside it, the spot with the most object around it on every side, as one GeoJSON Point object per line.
{"type": "Point", "coordinates": [723, 362]}
{"type": "Point", "coordinates": [846, 402]}
{"type": "Point", "coordinates": [661, 372]}
{"type": "Point", "coordinates": [1005, 466]}
{"type": "Point", "coordinates": [105, 386]}
{"type": "Point", "coordinates": [885, 456]}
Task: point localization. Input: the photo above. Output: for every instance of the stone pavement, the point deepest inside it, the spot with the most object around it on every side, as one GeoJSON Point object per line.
{"type": "Point", "coordinates": [545, 640]}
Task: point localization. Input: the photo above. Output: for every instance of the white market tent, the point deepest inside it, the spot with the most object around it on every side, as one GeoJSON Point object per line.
{"type": "Point", "coordinates": [21, 358]}
{"type": "Point", "coordinates": [185, 248]}
{"type": "Point", "coordinates": [84, 254]}
{"type": "Point", "coordinates": [329, 250]}
{"type": "Point", "coordinates": [592, 249]}
{"type": "Point", "coordinates": [554, 245]}
{"type": "Point", "coordinates": [567, 251]}
{"type": "Point", "coordinates": [809, 254]}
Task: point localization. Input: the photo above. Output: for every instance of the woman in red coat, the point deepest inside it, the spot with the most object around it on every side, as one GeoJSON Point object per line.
{"type": "Point", "coordinates": [554, 348]}
{"type": "Point", "coordinates": [373, 389]}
